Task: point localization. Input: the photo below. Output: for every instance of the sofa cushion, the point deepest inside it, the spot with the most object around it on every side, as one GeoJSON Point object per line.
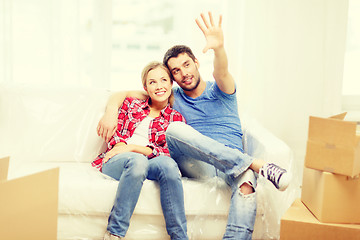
{"type": "Point", "coordinates": [86, 197]}
{"type": "Point", "coordinates": [86, 191]}
{"type": "Point", "coordinates": [51, 124]}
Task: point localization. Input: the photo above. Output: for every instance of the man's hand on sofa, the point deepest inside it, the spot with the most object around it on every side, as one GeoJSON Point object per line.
{"type": "Point", "coordinates": [108, 124]}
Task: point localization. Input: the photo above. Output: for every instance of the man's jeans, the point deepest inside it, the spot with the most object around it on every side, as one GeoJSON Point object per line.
{"type": "Point", "coordinates": [131, 169]}
{"type": "Point", "coordinates": [187, 146]}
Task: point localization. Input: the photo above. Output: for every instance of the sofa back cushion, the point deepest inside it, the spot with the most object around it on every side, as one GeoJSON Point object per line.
{"type": "Point", "coordinates": [51, 124]}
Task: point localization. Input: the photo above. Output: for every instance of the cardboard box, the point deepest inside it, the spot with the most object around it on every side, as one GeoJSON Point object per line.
{"type": "Point", "coordinates": [333, 146]}
{"type": "Point", "coordinates": [332, 198]}
{"type": "Point", "coordinates": [299, 224]}
{"type": "Point", "coordinates": [28, 205]}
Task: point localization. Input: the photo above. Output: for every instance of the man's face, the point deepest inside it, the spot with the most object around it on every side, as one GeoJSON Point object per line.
{"type": "Point", "coordinates": [185, 71]}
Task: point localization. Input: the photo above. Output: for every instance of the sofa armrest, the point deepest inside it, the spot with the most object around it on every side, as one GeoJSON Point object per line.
{"type": "Point", "coordinates": [259, 142]}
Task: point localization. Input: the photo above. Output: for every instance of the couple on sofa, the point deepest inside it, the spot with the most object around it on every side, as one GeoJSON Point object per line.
{"type": "Point", "coordinates": [147, 139]}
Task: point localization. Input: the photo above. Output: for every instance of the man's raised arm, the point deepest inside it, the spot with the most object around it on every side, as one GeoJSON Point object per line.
{"type": "Point", "coordinates": [108, 123]}
{"type": "Point", "coordinates": [215, 40]}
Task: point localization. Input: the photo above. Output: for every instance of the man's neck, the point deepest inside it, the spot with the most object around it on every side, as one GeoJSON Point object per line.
{"type": "Point", "coordinates": [197, 91]}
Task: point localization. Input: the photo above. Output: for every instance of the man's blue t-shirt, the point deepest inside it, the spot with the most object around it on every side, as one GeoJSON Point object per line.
{"type": "Point", "coordinates": [214, 114]}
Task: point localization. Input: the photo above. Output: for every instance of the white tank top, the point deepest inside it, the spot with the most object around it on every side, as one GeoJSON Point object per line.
{"type": "Point", "coordinates": [141, 133]}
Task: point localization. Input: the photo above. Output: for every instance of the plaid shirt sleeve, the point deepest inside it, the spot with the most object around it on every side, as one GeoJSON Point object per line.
{"type": "Point", "coordinates": [159, 146]}
{"type": "Point", "coordinates": [122, 132]}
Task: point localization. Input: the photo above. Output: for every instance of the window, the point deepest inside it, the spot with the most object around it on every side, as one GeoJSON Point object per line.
{"type": "Point", "coordinates": [46, 42]}
{"type": "Point", "coordinates": [95, 43]}
{"type": "Point", "coordinates": [142, 31]}
{"type": "Point", "coordinates": [351, 78]}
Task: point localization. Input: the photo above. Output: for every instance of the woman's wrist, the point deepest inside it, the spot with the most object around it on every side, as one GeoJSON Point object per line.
{"type": "Point", "coordinates": [140, 149]}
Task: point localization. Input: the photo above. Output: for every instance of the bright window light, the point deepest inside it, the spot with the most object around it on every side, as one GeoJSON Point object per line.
{"type": "Point", "coordinates": [351, 82]}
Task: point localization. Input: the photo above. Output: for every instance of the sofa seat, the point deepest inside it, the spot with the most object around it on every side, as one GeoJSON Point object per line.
{"type": "Point", "coordinates": [85, 193]}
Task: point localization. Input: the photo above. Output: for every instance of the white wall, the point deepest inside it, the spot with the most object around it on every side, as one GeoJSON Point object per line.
{"type": "Point", "coordinates": [289, 63]}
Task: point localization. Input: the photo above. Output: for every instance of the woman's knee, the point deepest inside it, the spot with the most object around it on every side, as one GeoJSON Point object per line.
{"type": "Point", "coordinates": [137, 164]}
{"type": "Point", "coordinates": [165, 166]}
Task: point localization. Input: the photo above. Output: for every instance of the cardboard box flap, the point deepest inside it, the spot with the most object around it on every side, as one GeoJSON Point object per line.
{"type": "Point", "coordinates": [340, 116]}
{"type": "Point", "coordinates": [4, 167]}
{"type": "Point", "coordinates": [332, 131]}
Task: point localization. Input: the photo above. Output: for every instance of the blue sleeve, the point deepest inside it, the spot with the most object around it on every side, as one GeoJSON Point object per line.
{"type": "Point", "coordinates": [221, 95]}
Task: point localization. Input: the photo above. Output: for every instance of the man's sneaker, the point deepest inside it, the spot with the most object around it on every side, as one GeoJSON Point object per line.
{"type": "Point", "coordinates": [109, 236]}
{"type": "Point", "coordinates": [277, 175]}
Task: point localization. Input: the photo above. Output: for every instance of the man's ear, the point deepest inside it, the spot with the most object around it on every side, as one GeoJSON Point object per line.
{"type": "Point", "coordinates": [197, 63]}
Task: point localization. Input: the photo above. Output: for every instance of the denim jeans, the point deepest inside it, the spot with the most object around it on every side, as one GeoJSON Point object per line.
{"type": "Point", "coordinates": [199, 156]}
{"type": "Point", "coordinates": [131, 169]}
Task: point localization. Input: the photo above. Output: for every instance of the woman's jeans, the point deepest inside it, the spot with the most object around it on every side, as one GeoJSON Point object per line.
{"type": "Point", "coordinates": [199, 156]}
{"type": "Point", "coordinates": [131, 169]}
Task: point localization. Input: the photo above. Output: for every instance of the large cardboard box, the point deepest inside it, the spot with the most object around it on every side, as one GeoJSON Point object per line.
{"type": "Point", "coordinates": [333, 145]}
{"type": "Point", "coordinates": [332, 198]}
{"type": "Point", "coordinates": [28, 205]}
{"type": "Point", "coordinates": [299, 224]}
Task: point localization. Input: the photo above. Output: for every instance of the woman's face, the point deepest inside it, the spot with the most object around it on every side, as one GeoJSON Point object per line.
{"type": "Point", "coordinates": [158, 85]}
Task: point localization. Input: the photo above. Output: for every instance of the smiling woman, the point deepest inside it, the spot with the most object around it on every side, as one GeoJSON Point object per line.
{"type": "Point", "coordinates": [138, 150]}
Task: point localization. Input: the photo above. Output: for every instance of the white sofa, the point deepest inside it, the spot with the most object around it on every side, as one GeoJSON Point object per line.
{"type": "Point", "coordinates": [46, 127]}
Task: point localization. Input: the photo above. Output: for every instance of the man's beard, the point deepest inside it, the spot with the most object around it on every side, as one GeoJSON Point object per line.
{"type": "Point", "coordinates": [189, 89]}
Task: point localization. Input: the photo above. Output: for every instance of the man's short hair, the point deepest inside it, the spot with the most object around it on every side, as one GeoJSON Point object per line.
{"type": "Point", "coordinates": [175, 51]}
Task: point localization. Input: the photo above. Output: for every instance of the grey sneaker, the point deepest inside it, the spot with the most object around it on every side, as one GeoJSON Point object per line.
{"type": "Point", "coordinates": [277, 175]}
{"type": "Point", "coordinates": [109, 236]}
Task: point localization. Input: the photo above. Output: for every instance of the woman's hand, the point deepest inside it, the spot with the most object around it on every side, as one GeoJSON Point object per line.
{"type": "Point", "coordinates": [123, 148]}
{"type": "Point", "coordinates": [117, 149]}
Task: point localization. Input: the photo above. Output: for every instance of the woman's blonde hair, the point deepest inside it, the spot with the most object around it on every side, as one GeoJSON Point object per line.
{"type": "Point", "coordinates": [151, 66]}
